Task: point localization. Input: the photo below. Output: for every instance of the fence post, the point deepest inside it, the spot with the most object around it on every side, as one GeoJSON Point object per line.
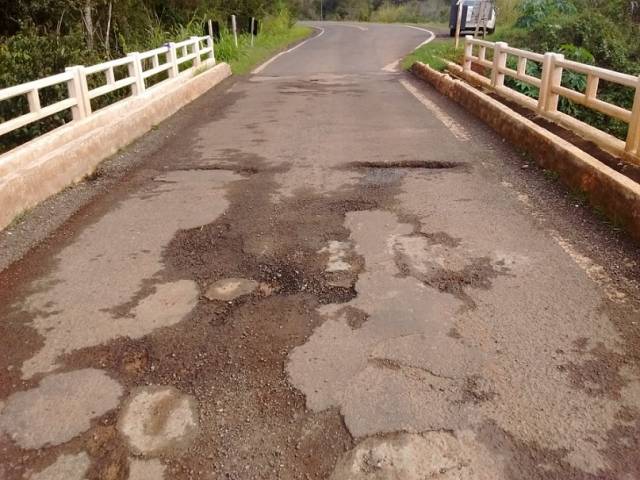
{"type": "Point", "coordinates": [235, 30]}
{"type": "Point", "coordinates": [135, 71]}
{"type": "Point", "coordinates": [196, 50]}
{"type": "Point", "coordinates": [499, 63]}
{"type": "Point", "coordinates": [468, 53]}
{"type": "Point", "coordinates": [633, 137]}
{"type": "Point", "coordinates": [79, 90]}
{"type": "Point", "coordinates": [210, 43]}
{"type": "Point", "coordinates": [253, 23]}
{"type": "Point", "coordinates": [172, 58]}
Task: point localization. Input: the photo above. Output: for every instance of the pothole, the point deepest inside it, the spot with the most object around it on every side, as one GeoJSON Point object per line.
{"type": "Point", "coordinates": [158, 419]}
{"type": "Point", "coordinates": [416, 164]}
{"type": "Point", "coordinates": [229, 168]}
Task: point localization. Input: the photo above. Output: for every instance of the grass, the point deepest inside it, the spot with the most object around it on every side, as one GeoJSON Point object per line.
{"type": "Point", "coordinates": [435, 54]}
{"type": "Point", "coordinates": [243, 58]}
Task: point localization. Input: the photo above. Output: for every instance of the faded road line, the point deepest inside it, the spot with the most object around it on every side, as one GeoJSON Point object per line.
{"type": "Point", "coordinates": [268, 62]}
{"type": "Point", "coordinates": [456, 129]}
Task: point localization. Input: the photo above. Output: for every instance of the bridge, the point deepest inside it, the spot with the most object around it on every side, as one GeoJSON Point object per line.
{"type": "Point", "coordinates": [325, 269]}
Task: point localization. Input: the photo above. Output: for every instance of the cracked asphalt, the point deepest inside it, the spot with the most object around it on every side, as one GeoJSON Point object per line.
{"type": "Point", "coordinates": [320, 270]}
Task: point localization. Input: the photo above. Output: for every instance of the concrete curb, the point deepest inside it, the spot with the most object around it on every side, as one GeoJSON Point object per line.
{"type": "Point", "coordinates": [48, 164]}
{"type": "Point", "coordinates": [618, 196]}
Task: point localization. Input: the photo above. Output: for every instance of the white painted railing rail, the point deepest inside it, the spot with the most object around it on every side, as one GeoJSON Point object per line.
{"type": "Point", "coordinates": [551, 89]}
{"type": "Point", "coordinates": [140, 68]}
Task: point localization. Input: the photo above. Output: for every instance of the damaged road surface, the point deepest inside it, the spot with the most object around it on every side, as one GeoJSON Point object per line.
{"type": "Point", "coordinates": [323, 270]}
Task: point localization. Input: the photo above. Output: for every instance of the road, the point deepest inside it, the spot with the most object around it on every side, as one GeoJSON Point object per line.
{"type": "Point", "coordinates": [322, 270]}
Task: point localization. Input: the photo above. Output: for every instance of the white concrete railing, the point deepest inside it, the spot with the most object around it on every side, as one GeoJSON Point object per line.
{"type": "Point", "coordinates": [79, 94]}
{"type": "Point", "coordinates": [551, 89]}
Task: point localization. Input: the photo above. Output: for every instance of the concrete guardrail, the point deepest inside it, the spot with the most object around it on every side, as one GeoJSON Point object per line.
{"type": "Point", "coordinates": [550, 90]}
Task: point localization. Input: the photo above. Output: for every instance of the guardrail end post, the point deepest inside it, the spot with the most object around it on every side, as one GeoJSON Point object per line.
{"type": "Point", "coordinates": [172, 57]}
{"type": "Point", "coordinates": [633, 137]}
{"type": "Point", "coordinates": [79, 90]}
{"type": "Point", "coordinates": [135, 71]}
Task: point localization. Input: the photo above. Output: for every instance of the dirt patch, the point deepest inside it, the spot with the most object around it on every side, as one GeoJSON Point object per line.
{"type": "Point", "coordinates": [598, 375]}
{"type": "Point", "coordinates": [108, 454]}
{"type": "Point", "coordinates": [475, 391]}
{"type": "Point", "coordinates": [530, 461]}
{"type": "Point", "coordinates": [477, 275]}
{"type": "Point", "coordinates": [356, 318]}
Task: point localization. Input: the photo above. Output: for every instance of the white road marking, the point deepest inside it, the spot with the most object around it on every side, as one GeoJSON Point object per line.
{"type": "Point", "coordinates": [395, 66]}
{"type": "Point", "coordinates": [432, 35]}
{"type": "Point", "coordinates": [456, 129]}
{"type": "Point", "coordinates": [359, 27]}
{"type": "Point", "coordinates": [268, 62]}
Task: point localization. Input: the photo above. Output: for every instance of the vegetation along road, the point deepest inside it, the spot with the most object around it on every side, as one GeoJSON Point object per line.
{"type": "Point", "coordinates": [322, 270]}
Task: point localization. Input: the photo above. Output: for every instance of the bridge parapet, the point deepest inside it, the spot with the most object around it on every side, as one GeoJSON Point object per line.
{"type": "Point", "coordinates": [548, 88]}
{"type": "Point", "coordinates": [143, 72]}
{"type": "Point", "coordinates": [50, 162]}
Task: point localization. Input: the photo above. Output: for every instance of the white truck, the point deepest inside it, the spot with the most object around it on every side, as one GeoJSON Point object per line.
{"type": "Point", "coordinates": [477, 15]}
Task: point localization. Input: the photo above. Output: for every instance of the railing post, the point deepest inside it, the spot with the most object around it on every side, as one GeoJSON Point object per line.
{"type": "Point", "coordinates": [552, 79]}
{"type": "Point", "coordinates": [79, 90]}
{"type": "Point", "coordinates": [135, 71]}
{"type": "Point", "coordinates": [499, 63]}
{"type": "Point", "coordinates": [33, 97]}
{"type": "Point", "coordinates": [633, 137]}
{"type": "Point", "coordinates": [196, 50]}
{"type": "Point", "coordinates": [210, 43]}
{"type": "Point", "coordinates": [172, 58]}
{"type": "Point", "coordinates": [468, 53]}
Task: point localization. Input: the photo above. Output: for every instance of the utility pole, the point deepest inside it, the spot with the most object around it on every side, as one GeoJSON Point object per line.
{"type": "Point", "coordinates": [321, 11]}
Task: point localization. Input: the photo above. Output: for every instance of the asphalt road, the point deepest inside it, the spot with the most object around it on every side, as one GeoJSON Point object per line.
{"type": "Point", "coordinates": [322, 270]}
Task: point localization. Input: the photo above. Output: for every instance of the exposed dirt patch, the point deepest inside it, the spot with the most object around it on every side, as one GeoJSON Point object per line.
{"type": "Point", "coordinates": [530, 461]}
{"type": "Point", "coordinates": [477, 275]}
{"type": "Point", "coordinates": [598, 375]}
{"type": "Point", "coordinates": [475, 391]}
{"type": "Point", "coordinates": [110, 461]}
{"type": "Point", "coordinates": [355, 317]}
